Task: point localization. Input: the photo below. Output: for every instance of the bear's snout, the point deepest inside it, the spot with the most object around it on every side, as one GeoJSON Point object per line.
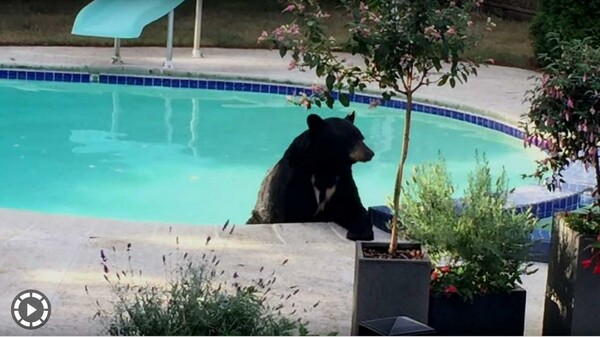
{"type": "Point", "coordinates": [361, 152]}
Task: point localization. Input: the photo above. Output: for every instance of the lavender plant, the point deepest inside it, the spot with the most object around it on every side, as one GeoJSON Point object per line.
{"type": "Point", "coordinates": [198, 299]}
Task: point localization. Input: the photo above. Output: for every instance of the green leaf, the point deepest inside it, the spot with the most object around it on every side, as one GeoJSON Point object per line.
{"type": "Point", "coordinates": [282, 50]}
{"type": "Point", "coordinates": [344, 99]}
{"type": "Point", "coordinates": [452, 82]}
{"type": "Point", "coordinates": [318, 103]}
{"type": "Point", "coordinates": [329, 81]}
{"type": "Point", "coordinates": [329, 101]}
{"type": "Point", "coordinates": [443, 80]}
{"type": "Point", "coordinates": [320, 70]}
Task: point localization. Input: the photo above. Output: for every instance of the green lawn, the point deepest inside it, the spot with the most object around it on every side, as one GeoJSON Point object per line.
{"type": "Point", "coordinates": [226, 23]}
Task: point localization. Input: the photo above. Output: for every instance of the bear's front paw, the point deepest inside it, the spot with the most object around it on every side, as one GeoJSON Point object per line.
{"type": "Point", "coordinates": [365, 236]}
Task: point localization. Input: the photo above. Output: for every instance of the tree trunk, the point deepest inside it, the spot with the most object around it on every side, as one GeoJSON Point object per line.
{"type": "Point", "coordinates": [398, 185]}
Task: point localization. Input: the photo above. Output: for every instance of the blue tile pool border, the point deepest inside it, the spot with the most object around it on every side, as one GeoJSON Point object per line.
{"type": "Point", "coordinates": [244, 86]}
{"type": "Point", "coordinates": [542, 209]}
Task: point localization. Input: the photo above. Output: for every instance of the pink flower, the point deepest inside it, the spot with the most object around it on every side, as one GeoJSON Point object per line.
{"type": "Point", "coordinates": [362, 7]}
{"type": "Point", "coordinates": [451, 289]}
{"type": "Point", "coordinates": [263, 36]}
{"type": "Point", "coordinates": [445, 269]}
{"type": "Point", "coordinates": [374, 103]}
{"type": "Point", "coordinates": [294, 29]}
{"type": "Point", "coordinates": [478, 3]}
{"type": "Point", "coordinates": [570, 103]}
{"type": "Point", "coordinates": [556, 92]}
{"type": "Point", "coordinates": [435, 275]}
{"type": "Point", "coordinates": [585, 77]}
{"type": "Point", "coordinates": [279, 33]}
{"type": "Point", "coordinates": [289, 8]}
{"type": "Point", "coordinates": [545, 79]}
{"type": "Point", "coordinates": [374, 17]}
{"type": "Point", "coordinates": [317, 89]}
{"type": "Point", "coordinates": [305, 101]}
{"type": "Point", "coordinates": [292, 65]}
{"type": "Point", "coordinates": [451, 31]}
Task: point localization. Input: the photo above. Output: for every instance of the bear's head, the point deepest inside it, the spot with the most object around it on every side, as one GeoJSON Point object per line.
{"type": "Point", "coordinates": [330, 144]}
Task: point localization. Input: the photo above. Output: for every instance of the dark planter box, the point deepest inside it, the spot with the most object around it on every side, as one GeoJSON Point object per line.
{"type": "Point", "coordinates": [386, 288]}
{"type": "Point", "coordinates": [572, 302]}
{"type": "Point", "coordinates": [490, 314]}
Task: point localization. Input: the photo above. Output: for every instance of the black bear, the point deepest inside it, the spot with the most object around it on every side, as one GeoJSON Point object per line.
{"type": "Point", "coordinates": [313, 181]}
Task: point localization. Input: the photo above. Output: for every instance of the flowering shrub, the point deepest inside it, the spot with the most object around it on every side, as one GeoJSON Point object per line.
{"type": "Point", "coordinates": [588, 224]}
{"type": "Point", "coordinates": [402, 45]}
{"type": "Point", "coordinates": [564, 120]}
{"type": "Point", "coordinates": [481, 247]}
{"type": "Point", "coordinates": [565, 108]}
{"type": "Point", "coordinates": [595, 258]}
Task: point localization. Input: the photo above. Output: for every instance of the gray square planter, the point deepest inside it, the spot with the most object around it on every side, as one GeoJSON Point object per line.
{"type": "Point", "coordinates": [389, 287]}
{"type": "Point", "coordinates": [572, 301]}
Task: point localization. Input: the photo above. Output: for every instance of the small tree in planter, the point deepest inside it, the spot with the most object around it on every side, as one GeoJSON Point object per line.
{"type": "Point", "coordinates": [480, 250]}
{"type": "Point", "coordinates": [564, 120]}
{"type": "Point", "coordinates": [403, 45]}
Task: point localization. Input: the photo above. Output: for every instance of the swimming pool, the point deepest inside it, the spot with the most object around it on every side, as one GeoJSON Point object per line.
{"type": "Point", "coordinates": [196, 156]}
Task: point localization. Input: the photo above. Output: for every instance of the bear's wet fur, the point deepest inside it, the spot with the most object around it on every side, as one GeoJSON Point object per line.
{"type": "Point", "coordinates": [313, 180]}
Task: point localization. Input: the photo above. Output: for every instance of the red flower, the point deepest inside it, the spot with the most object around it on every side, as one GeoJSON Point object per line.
{"type": "Point", "coordinates": [445, 269]}
{"type": "Point", "coordinates": [435, 275]}
{"type": "Point", "coordinates": [450, 290]}
{"type": "Point", "coordinates": [597, 269]}
{"type": "Point", "coordinates": [586, 263]}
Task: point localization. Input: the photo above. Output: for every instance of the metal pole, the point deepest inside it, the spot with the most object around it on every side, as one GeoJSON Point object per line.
{"type": "Point", "coordinates": [193, 125]}
{"type": "Point", "coordinates": [114, 126]}
{"type": "Point", "coordinates": [169, 62]}
{"type": "Point", "coordinates": [167, 119]}
{"type": "Point", "coordinates": [117, 56]}
{"type": "Point", "coordinates": [198, 29]}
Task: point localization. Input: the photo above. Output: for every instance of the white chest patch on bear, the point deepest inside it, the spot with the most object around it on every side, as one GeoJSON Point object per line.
{"type": "Point", "coordinates": [322, 196]}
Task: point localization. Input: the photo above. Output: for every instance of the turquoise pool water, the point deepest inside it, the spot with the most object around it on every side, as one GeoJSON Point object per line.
{"type": "Point", "coordinates": [195, 156]}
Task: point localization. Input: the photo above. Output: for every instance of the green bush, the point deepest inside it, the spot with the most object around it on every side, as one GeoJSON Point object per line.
{"type": "Point", "coordinates": [570, 19]}
{"type": "Point", "coordinates": [194, 303]}
{"type": "Point", "coordinates": [478, 245]}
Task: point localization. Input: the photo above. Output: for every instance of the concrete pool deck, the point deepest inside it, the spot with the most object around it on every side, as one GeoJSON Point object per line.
{"type": "Point", "coordinates": [496, 91]}
{"type": "Point", "coordinates": [59, 255]}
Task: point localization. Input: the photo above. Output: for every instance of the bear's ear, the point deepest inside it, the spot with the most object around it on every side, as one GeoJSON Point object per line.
{"type": "Point", "coordinates": [350, 117]}
{"type": "Point", "coordinates": [315, 123]}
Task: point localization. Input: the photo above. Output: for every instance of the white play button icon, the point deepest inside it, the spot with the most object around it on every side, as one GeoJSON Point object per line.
{"type": "Point", "coordinates": [30, 309]}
